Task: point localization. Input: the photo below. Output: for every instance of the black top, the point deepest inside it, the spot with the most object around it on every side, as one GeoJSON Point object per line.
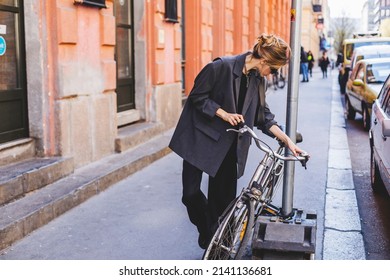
{"type": "Point", "coordinates": [242, 93]}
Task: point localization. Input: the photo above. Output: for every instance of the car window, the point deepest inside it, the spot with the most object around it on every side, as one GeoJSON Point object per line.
{"type": "Point", "coordinates": [384, 94]}
{"type": "Point", "coordinates": [386, 100]}
{"type": "Point", "coordinates": [353, 74]}
{"type": "Point", "coordinates": [377, 73]}
{"type": "Point", "coordinates": [360, 73]}
{"type": "Point", "coordinates": [359, 57]}
{"type": "Point", "coordinates": [386, 109]}
{"type": "Point", "coordinates": [349, 50]}
{"type": "Point", "coordinates": [349, 47]}
{"type": "Point", "coordinates": [381, 95]}
{"type": "Point", "coordinates": [355, 60]}
{"type": "Point", "coordinates": [374, 55]}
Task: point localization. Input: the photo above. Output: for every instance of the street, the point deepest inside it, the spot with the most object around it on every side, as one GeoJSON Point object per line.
{"type": "Point", "coordinates": [142, 217]}
{"type": "Point", "coordinates": [373, 207]}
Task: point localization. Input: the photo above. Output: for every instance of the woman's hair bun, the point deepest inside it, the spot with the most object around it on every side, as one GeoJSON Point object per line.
{"type": "Point", "coordinates": [273, 49]}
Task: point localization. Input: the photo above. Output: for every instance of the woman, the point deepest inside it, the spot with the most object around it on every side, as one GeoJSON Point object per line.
{"type": "Point", "coordinates": [310, 58]}
{"type": "Point", "coordinates": [225, 93]}
{"type": "Point", "coordinates": [324, 63]}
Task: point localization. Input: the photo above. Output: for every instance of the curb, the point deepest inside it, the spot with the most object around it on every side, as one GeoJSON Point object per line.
{"type": "Point", "coordinates": [343, 239]}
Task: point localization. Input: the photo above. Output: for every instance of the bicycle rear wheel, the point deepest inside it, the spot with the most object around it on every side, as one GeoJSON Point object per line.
{"type": "Point", "coordinates": [232, 236]}
{"type": "Point", "coordinates": [281, 82]}
{"type": "Point", "coordinates": [275, 81]}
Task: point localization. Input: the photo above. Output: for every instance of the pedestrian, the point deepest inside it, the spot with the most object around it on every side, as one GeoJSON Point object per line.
{"type": "Point", "coordinates": [225, 93]}
{"type": "Point", "coordinates": [304, 65]}
{"type": "Point", "coordinates": [324, 63]}
{"type": "Point", "coordinates": [311, 60]}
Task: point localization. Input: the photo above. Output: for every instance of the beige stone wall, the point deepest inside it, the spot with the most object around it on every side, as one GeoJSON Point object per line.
{"type": "Point", "coordinates": [71, 74]}
{"type": "Point", "coordinates": [168, 104]}
{"type": "Point", "coordinates": [86, 100]}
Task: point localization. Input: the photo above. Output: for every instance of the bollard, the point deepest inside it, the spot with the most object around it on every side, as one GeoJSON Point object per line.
{"type": "Point", "coordinates": [276, 238]}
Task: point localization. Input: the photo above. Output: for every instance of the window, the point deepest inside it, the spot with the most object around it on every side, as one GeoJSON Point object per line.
{"type": "Point", "coordinates": [124, 55]}
{"type": "Point", "coordinates": [96, 3]}
{"type": "Point", "coordinates": [385, 95]}
{"type": "Point", "coordinates": [353, 74]}
{"type": "Point", "coordinates": [360, 74]}
{"type": "Point", "coordinates": [386, 108]}
{"type": "Point", "coordinates": [171, 11]}
{"type": "Point", "coordinates": [385, 104]}
{"type": "Point", "coordinates": [382, 93]}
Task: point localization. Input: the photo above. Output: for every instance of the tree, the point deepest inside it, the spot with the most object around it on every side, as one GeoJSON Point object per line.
{"type": "Point", "coordinates": [342, 28]}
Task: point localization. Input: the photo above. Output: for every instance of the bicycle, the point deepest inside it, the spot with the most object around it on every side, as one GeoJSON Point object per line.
{"type": "Point", "coordinates": [278, 80]}
{"type": "Point", "coordinates": [235, 225]}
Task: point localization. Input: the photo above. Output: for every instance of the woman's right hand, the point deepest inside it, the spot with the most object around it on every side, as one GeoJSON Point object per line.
{"type": "Point", "coordinates": [232, 118]}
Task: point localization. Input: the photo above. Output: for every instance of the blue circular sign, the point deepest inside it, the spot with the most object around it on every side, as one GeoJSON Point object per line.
{"type": "Point", "coordinates": [3, 46]}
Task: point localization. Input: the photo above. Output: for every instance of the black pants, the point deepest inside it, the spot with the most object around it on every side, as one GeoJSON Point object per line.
{"type": "Point", "coordinates": [204, 212]}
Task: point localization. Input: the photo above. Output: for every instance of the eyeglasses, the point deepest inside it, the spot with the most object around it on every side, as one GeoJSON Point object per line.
{"type": "Point", "coordinates": [274, 71]}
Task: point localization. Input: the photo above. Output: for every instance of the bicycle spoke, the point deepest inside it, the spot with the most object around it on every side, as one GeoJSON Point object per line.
{"type": "Point", "coordinates": [229, 237]}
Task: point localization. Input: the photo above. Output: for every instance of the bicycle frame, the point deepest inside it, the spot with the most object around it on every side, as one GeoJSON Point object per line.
{"type": "Point", "coordinates": [269, 171]}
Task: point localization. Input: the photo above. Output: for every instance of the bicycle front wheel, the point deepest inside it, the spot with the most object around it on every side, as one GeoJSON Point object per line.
{"type": "Point", "coordinates": [232, 236]}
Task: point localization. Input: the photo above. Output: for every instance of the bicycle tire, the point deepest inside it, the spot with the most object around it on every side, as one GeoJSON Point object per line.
{"type": "Point", "coordinates": [281, 82]}
{"type": "Point", "coordinates": [275, 82]}
{"type": "Point", "coordinates": [232, 236]}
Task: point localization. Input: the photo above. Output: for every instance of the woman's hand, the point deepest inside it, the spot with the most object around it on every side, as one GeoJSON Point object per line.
{"type": "Point", "coordinates": [232, 118]}
{"type": "Point", "coordinates": [294, 148]}
{"type": "Point", "coordinates": [286, 140]}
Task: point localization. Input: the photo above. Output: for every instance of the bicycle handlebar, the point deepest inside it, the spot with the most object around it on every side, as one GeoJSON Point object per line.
{"type": "Point", "coordinates": [303, 157]}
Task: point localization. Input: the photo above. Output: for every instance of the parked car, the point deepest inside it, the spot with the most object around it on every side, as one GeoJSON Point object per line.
{"type": "Point", "coordinates": [344, 59]}
{"type": "Point", "coordinates": [370, 51]}
{"type": "Point", "coordinates": [380, 140]}
{"type": "Point", "coordinates": [363, 87]}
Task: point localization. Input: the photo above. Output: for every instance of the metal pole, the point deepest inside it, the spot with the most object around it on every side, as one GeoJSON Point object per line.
{"type": "Point", "coordinates": [292, 102]}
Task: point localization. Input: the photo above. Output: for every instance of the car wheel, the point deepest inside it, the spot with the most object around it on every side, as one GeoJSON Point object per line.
{"type": "Point", "coordinates": [350, 112]}
{"type": "Point", "coordinates": [366, 118]}
{"type": "Point", "coordinates": [376, 180]}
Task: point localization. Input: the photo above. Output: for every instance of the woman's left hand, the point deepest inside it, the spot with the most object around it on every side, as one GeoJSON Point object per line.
{"type": "Point", "coordinates": [294, 148]}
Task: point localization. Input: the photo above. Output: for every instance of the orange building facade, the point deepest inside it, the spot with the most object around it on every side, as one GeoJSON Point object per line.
{"type": "Point", "coordinates": [89, 70]}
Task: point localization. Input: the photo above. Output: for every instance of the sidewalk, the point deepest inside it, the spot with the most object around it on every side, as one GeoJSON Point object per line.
{"type": "Point", "coordinates": [342, 237]}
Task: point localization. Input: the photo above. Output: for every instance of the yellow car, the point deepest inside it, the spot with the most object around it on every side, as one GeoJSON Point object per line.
{"type": "Point", "coordinates": [349, 45]}
{"type": "Point", "coordinates": [363, 87]}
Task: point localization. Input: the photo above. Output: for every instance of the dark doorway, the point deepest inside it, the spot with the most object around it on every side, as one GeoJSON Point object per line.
{"type": "Point", "coordinates": [13, 88]}
{"type": "Point", "coordinates": [124, 55]}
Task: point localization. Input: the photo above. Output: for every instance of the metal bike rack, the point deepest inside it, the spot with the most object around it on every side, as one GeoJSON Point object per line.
{"type": "Point", "coordinates": [276, 238]}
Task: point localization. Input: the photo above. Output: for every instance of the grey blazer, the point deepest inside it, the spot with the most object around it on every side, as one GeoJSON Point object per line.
{"type": "Point", "coordinates": [200, 136]}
